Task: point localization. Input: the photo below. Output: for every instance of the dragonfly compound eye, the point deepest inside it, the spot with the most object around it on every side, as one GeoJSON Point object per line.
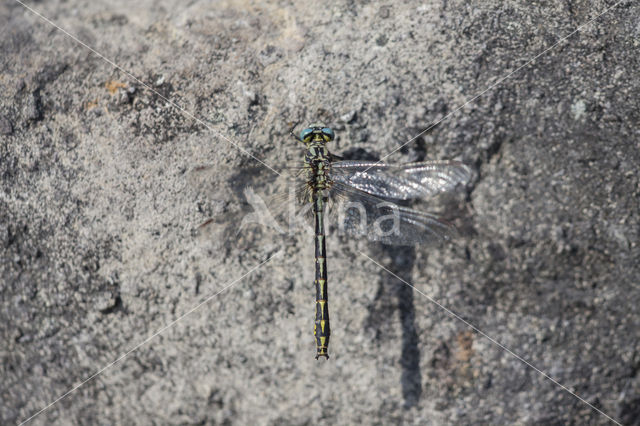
{"type": "Point", "coordinates": [306, 133]}
{"type": "Point", "coordinates": [328, 132]}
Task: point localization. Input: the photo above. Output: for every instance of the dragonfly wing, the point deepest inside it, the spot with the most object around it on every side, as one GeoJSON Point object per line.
{"type": "Point", "coordinates": [358, 213]}
{"type": "Point", "coordinates": [281, 206]}
{"type": "Point", "coordinates": [403, 182]}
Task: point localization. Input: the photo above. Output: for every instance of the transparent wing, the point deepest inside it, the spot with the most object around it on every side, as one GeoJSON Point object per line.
{"type": "Point", "coordinates": [402, 182]}
{"type": "Point", "coordinates": [291, 204]}
{"type": "Point", "coordinates": [357, 213]}
{"type": "Point", "coordinates": [282, 207]}
{"type": "Point", "coordinates": [354, 206]}
{"type": "Point", "coordinates": [275, 204]}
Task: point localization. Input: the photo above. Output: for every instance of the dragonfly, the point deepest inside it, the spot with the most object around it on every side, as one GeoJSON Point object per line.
{"type": "Point", "coordinates": [359, 198]}
{"type": "Point", "coordinates": [364, 196]}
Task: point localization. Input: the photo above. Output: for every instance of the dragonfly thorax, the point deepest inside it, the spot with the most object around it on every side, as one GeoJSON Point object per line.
{"type": "Point", "coordinates": [318, 165]}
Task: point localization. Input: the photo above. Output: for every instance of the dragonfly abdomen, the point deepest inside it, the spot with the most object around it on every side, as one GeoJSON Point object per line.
{"type": "Point", "coordinates": [321, 330]}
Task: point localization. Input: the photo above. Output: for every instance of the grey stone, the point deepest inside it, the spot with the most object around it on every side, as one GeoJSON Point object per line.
{"type": "Point", "coordinates": [5, 126]}
{"type": "Point", "coordinates": [105, 183]}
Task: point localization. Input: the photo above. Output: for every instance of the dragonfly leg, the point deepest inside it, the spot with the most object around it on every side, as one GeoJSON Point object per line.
{"type": "Point", "coordinates": [293, 134]}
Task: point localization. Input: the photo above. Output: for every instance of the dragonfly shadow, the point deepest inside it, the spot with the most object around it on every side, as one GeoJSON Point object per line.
{"type": "Point", "coordinates": [395, 296]}
{"type": "Point", "coordinates": [402, 260]}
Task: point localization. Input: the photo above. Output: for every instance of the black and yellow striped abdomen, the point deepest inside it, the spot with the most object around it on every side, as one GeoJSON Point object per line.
{"type": "Point", "coordinates": [321, 329]}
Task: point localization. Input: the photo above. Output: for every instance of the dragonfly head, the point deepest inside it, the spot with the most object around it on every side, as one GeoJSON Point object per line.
{"type": "Point", "coordinates": [317, 132]}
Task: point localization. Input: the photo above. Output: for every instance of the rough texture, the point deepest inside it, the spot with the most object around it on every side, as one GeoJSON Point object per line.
{"type": "Point", "coordinates": [102, 194]}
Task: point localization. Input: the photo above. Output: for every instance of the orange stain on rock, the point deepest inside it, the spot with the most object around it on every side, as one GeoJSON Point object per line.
{"type": "Point", "coordinates": [465, 343]}
{"type": "Point", "coordinates": [113, 86]}
{"type": "Point", "coordinates": [91, 104]}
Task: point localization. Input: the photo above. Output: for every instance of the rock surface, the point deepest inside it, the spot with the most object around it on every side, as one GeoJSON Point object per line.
{"type": "Point", "coordinates": [107, 172]}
